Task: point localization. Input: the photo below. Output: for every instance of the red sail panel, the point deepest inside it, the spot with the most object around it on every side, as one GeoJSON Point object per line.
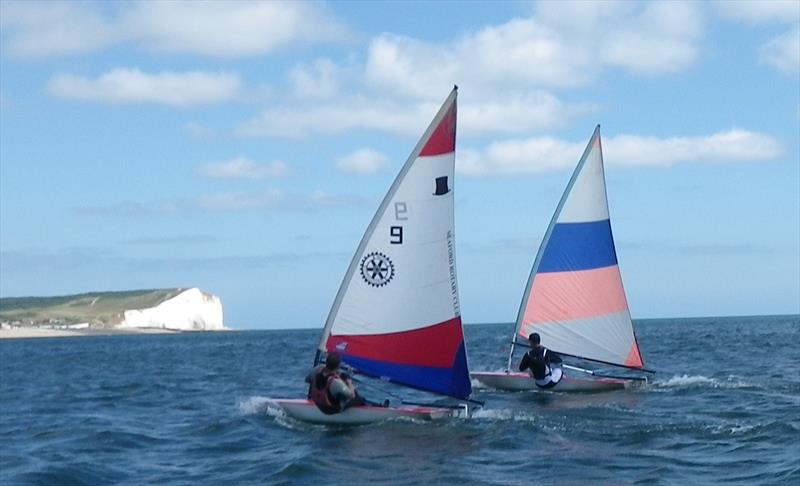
{"type": "Point", "coordinates": [443, 138]}
{"type": "Point", "coordinates": [435, 345]}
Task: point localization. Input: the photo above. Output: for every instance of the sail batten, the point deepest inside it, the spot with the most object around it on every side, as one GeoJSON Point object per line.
{"type": "Point", "coordinates": [574, 297]}
{"type": "Point", "coordinates": [397, 314]}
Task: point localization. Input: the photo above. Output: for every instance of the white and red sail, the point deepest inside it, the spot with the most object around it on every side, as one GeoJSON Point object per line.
{"type": "Point", "coordinates": [396, 315]}
{"type": "Point", "coordinates": [574, 298]}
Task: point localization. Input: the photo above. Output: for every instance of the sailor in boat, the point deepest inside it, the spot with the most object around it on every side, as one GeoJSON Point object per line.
{"type": "Point", "coordinates": [331, 390]}
{"type": "Point", "coordinates": [542, 364]}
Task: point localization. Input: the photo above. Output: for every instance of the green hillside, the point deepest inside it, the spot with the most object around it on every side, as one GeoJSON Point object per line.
{"type": "Point", "coordinates": [99, 309]}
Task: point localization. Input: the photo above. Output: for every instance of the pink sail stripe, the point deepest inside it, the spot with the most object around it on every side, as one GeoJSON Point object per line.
{"type": "Point", "coordinates": [566, 296]}
{"type": "Point", "coordinates": [634, 357]}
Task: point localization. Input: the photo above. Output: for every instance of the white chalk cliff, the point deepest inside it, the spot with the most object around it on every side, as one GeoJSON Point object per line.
{"type": "Point", "coordinates": [190, 310]}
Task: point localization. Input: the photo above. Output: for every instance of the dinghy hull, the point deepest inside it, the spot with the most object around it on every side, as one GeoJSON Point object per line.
{"type": "Point", "coordinates": [569, 383]}
{"type": "Point", "coordinates": [306, 411]}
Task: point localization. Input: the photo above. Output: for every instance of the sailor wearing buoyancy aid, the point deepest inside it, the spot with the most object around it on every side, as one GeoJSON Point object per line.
{"type": "Point", "coordinates": [328, 389]}
{"type": "Point", "coordinates": [542, 364]}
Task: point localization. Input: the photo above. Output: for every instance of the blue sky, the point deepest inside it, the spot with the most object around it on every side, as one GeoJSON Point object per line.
{"type": "Point", "coordinates": [243, 147]}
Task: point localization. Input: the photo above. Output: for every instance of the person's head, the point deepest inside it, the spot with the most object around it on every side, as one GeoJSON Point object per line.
{"type": "Point", "coordinates": [333, 361]}
{"type": "Point", "coordinates": [534, 339]}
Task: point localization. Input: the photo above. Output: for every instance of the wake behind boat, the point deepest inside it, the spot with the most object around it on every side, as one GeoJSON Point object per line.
{"type": "Point", "coordinates": [574, 298]}
{"type": "Point", "coordinates": [397, 315]}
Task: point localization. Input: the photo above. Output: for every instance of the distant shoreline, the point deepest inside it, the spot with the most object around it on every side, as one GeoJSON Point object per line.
{"type": "Point", "coordinates": [33, 332]}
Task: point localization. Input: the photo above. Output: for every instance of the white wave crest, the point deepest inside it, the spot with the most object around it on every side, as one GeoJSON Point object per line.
{"type": "Point", "coordinates": [477, 384]}
{"type": "Point", "coordinates": [255, 405]}
{"type": "Point", "coordinates": [264, 405]}
{"type": "Point", "coordinates": [688, 381]}
{"type": "Point", "coordinates": [692, 381]}
{"type": "Point", "coordinates": [733, 429]}
{"type": "Point", "coordinates": [503, 415]}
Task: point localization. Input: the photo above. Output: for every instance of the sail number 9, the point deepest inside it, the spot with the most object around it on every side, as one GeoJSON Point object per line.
{"type": "Point", "coordinates": [396, 234]}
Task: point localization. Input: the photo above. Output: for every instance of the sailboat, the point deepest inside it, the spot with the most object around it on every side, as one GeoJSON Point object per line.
{"type": "Point", "coordinates": [397, 316]}
{"type": "Point", "coordinates": [574, 297]}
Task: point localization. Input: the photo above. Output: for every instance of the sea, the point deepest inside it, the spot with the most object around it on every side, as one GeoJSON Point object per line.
{"type": "Point", "coordinates": [722, 408]}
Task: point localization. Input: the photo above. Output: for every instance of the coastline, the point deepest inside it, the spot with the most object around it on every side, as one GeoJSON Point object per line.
{"type": "Point", "coordinates": [35, 332]}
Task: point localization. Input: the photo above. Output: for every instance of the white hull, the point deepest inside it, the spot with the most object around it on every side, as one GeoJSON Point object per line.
{"type": "Point", "coordinates": [306, 411]}
{"type": "Point", "coordinates": [570, 382]}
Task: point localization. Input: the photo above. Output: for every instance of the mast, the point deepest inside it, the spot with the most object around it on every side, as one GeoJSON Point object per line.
{"type": "Point", "coordinates": [545, 240]}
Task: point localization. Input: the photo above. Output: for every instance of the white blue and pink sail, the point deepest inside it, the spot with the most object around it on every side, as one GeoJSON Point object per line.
{"type": "Point", "coordinates": [574, 298]}
{"type": "Point", "coordinates": [397, 315]}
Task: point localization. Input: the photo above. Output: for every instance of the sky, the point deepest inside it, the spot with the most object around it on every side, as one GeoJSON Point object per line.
{"type": "Point", "coordinates": [243, 147]}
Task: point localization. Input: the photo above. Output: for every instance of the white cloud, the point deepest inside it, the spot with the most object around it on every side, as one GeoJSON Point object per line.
{"type": "Point", "coordinates": [242, 168]}
{"type": "Point", "coordinates": [544, 154]}
{"type": "Point", "coordinates": [513, 112]}
{"type": "Point", "coordinates": [504, 69]}
{"type": "Point", "coordinates": [563, 45]}
{"type": "Point", "coordinates": [362, 161]}
{"type": "Point", "coordinates": [517, 54]}
{"type": "Point", "coordinates": [783, 52]}
{"type": "Point", "coordinates": [224, 29]}
{"type": "Point", "coordinates": [319, 80]}
{"type": "Point", "coordinates": [759, 11]}
{"type": "Point", "coordinates": [734, 145]}
{"type": "Point", "coordinates": [660, 40]}
{"type": "Point", "coordinates": [525, 156]}
{"type": "Point", "coordinates": [231, 28]}
{"type": "Point", "coordinates": [479, 113]}
{"type": "Point", "coordinates": [345, 114]}
{"type": "Point", "coordinates": [134, 86]}
{"type": "Point", "coordinates": [40, 29]}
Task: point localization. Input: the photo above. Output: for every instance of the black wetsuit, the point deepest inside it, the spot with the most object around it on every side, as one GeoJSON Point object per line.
{"type": "Point", "coordinates": [538, 360]}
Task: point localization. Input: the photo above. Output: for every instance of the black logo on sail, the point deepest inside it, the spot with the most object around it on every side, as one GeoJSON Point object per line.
{"type": "Point", "coordinates": [441, 186]}
{"type": "Point", "coordinates": [376, 269]}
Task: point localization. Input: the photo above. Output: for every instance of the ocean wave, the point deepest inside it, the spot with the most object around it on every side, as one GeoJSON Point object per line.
{"type": "Point", "coordinates": [504, 415]}
{"type": "Point", "coordinates": [733, 429]}
{"type": "Point", "coordinates": [700, 381]}
{"type": "Point", "coordinates": [255, 405]}
{"type": "Point", "coordinates": [477, 384]}
{"type": "Point", "coordinates": [258, 405]}
{"type": "Point", "coordinates": [84, 414]}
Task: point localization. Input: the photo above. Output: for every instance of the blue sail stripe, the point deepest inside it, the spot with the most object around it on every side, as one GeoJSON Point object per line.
{"type": "Point", "coordinates": [579, 246]}
{"type": "Point", "coordinates": [453, 381]}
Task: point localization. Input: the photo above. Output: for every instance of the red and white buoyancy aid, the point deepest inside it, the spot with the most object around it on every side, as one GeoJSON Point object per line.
{"type": "Point", "coordinates": [322, 396]}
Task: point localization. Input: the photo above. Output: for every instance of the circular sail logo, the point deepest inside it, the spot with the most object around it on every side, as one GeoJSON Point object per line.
{"type": "Point", "coordinates": [376, 269]}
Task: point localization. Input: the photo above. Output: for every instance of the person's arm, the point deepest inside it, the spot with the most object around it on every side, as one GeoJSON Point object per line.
{"type": "Point", "coordinates": [524, 362]}
{"type": "Point", "coordinates": [553, 357]}
{"type": "Point", "coordinates": [350, 386]}
{"type": "Point", "coordinates": [310, 375]}
{"type": "Point", "coordinates": [341, 391]}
